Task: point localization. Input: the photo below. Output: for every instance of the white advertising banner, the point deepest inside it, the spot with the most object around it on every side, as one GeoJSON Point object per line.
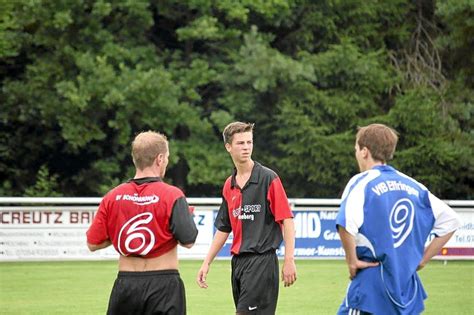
{"type": "Point", "coordinates": [59, 233]}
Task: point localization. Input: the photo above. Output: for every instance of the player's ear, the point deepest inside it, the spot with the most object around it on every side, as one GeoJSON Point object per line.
{"type": "Point", "coordinates": [159, 159]}
{"type": "Point", "coordinates": [228, 147]}
{"type": "Point", "coordinates": [365, 152]}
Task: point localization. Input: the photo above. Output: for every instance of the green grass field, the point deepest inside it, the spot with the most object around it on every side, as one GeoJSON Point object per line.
{"type": "Point", "coordinates": [84, 288]}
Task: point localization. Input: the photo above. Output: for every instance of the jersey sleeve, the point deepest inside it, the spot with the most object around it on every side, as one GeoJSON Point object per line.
{"type": "Point", "coordinates": [97, 232]}
{"type": "Point", "coordinates": [446, 220]}
{"type": "Point", "coordinates": [279, 204]}
{"type": "Point", "coordinates": [181, 222]}
{"type": "Point", "coordinates": [222, 222]}
{"type": "Point", "coordinates": [351, 211]}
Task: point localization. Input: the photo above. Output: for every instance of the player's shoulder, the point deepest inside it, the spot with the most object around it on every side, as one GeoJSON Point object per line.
{"type": "Point", "coordinates": [117, 190]}
{"type": "Point", "coordinates": [360, 181]}
{"type": "Point", "coordinates": [265, 171]}
{"type": "Point", "coordinates": [364, 178]}
{"type": "Point", "coordinates": [409, 179]}
{"type": "Point", "coordinates": [171, 189]}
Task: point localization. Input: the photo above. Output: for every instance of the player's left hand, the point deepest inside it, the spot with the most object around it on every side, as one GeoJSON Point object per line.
{"type": "Point", "coordinates": [288, 272]}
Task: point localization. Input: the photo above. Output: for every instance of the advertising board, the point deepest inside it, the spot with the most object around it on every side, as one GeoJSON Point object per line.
{"type": "Point", "coordinates": [39, 232]}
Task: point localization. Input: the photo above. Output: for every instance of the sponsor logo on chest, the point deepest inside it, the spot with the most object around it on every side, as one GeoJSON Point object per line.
{"type": "Point", "coordinates": [247, 212]}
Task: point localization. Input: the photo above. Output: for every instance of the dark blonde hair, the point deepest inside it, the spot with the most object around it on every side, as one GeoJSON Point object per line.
{"type": "Point", "coordinates": [146, 147]}
{"type": "Point", "coordinates": [236, 127]}
{"type": "Point", "coordinates": [381, 141]}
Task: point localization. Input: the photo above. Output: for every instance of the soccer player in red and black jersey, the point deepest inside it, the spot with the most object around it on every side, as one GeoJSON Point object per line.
{"type": "Point", "coordinates": [255, 208]}
{"type": "Point", "coordinates": [145, 219]}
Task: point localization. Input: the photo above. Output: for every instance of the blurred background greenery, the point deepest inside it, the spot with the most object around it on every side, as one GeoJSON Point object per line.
{"type": "Point", "coordinates": [80, 78]}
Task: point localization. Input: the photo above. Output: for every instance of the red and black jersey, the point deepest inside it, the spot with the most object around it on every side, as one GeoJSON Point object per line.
{"type": "Point", "coordinates": [254, 213]}
{"type": "Point", "coordinates": [143, 217]}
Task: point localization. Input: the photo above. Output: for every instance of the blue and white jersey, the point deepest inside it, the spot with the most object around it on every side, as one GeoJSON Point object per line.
{"type": "Point", "coordinates": [391, 216]}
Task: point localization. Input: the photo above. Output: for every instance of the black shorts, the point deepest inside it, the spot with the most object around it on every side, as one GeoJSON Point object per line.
{"type": "Point", "coordinates": [255, 282]}
{"type": "Point", "coordinates": [148, 292]}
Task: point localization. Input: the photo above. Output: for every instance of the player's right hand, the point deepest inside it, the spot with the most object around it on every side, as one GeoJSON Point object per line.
{"type": "Point", "coordinates": [201, 276]}
{"type": "Point", "coordinates": [360, 264]}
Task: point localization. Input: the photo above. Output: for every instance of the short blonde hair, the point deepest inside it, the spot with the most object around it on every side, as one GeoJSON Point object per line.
{"type": "Point", "coordinates": [146, 147]}
{"type": "Point", "coordinates": [236, 127]}
{"type": "Point", "coordinates": [380, 139]}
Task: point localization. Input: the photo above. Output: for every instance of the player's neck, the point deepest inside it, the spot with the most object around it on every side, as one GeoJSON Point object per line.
{"type": "Point", "coordinates": [147, 172]}
{"type": "Point", "coordinates": [244, 168]}
{"type": "Point", "coordinates": [371, 164]}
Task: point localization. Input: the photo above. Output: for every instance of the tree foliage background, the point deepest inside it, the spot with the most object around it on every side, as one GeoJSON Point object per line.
{"type": "Point", "coordinates": [80, 78]}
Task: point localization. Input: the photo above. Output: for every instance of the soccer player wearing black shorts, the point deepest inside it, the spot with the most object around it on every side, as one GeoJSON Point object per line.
{"type": "Point", "coordinates": [145, 219]}
{"type": "Point", "coordinates": [255, 209]}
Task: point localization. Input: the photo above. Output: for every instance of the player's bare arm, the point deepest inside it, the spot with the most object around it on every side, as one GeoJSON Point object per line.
{"type": "Point", "coordinates": [217, 243]}
{"type": "Point", "coordinates": [349, 244]}
{"type": "Point", "coordinates": [94, 247]}
{"type": "Point", "coordinates": [288, 272]}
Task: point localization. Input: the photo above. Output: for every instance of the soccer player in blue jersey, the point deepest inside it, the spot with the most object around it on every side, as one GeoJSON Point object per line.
{"type": "Point", "coordinates": [384, 221]}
